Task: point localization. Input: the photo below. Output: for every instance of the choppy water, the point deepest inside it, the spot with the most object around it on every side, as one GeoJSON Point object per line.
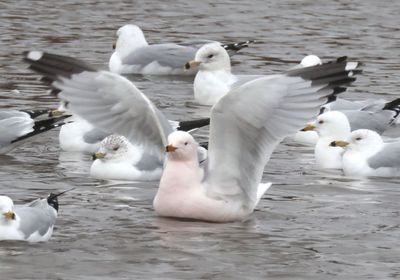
{"type": "Point", "coordinates": [310, 225]}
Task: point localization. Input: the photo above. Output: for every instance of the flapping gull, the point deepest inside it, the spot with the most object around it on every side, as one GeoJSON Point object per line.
{"type": "Point", "coordinates": [367, 155]}
{"type": "Point", "coordinates": [32, 222]}
{"type": "Point", "coordinates": [17, 127]}
{"type": "Point", "coordinates": [246, 126]}
{"type": "Point", "coordinates": [134, 55]}
{"type": "Point", "coordinates": [60, 68]}
{"type": "Point", "coordinates": [79, 135]}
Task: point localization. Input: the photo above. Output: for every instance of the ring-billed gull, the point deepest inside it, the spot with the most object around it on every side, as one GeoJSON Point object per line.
{"type": "Point", "coordinates": [246, 126]}
{"type": "Point", "coordinates": [32, 222]}
{"type": "Point", "coordinates": [17, 127]}
{"type": "Point", "coordinates": [118, 159]}
{"type": "Point", "coordinates": [367, 155]}
{"type": "Point", "coordinates": [330, 126]}
{"type": "Point", "coordinates": [133, 55]}
{"type": "Point", "coordinates": [214, 78]}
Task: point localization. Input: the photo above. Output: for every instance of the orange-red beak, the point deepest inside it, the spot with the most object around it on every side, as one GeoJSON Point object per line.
{"type": "Point", "coordinates": [170, 148]}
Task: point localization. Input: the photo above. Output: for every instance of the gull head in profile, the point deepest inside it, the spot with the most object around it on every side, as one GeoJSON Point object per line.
{"type": "Point", "coordinates": [211, 57]}
{"type": "Point", "coordinates": [332, 123]}
{"type": "Point", "coordinates": [113, 148]}
{"type": "Point", "coordinates": [181, 146]}
{"type": "Point", "coordinates": [365, 141]}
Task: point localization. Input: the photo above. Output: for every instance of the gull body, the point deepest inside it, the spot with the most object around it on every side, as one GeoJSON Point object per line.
{"type": "Point", "coordinates": [133, 54]}
{"type": "Point", "coordinates": [118, 159]}
{"type": "Point", "coordinates": [367, 154]}
{"type": "Point", "coordinates": [32, 222]}
{"type": "Point", "coordinates": [330, 126]}
{"type": "Point", "coordinates": [246, 126]}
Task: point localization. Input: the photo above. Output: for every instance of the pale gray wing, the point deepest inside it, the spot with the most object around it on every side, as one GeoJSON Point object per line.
{"type": "Point", "coordinates": [342, 104]}
{"type": "Point", "coordinates": [148, 163]}
{"type": "Point", "coordinates": [249, 122]}
{"type": "Point", "coordinates": [170, 55]}
{"type": "Point", "coordinates": [95, 135]}
{"type": "Point", "coordinates": [196, 44]}
{"type": "Point", "coordinates": [242, 79]}
{"type": "Point", "coordinates": [35, 217]}
{"type": "Point", "coordinates": [14, 124]}
{"type": "Point", "coordinates": [113, 103]}
{"type": "Point", "coordinates": [378, 121]}
{"type": "Point", "coordinates": [389, 156]}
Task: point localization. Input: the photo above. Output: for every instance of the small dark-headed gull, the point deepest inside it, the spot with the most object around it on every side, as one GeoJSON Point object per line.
{"type": "Point", "coordinates": [367, 155]}
{"type": "Point", "coordinates": [246, 126]}
{"type": "Point", "coordinates": [133, 55]}
{"type": "Point", "coordinates": [32, 222]}
{"type": "Point", "coordinates": [18, 127]}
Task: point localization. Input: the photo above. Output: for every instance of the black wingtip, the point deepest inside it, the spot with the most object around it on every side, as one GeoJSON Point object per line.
{"type": "Point", "coordinates": [36, 113]}
{"type": "Point", "coordinates": [53, 66]}
{"type": "Point", "coordinates": [52, 199]}
{"type": "Point", "coordinates": [189, 125]}
{"type": "Point", "coordinates": [43, 126]}
{"type": "Point", "coordinates": [238, 46]}
{"type": "Point", "coordinates": [394, 106]}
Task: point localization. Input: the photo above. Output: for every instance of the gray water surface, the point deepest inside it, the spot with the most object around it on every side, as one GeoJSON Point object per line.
{"type": "Point", "coordinates": [310, 225]}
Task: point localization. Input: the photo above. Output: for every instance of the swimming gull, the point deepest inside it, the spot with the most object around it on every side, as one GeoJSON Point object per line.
{"type": "Point", "coordinates": [330, 126]}
{"type": "Point", "coordinates": [32, 222]}
{"type": "Point", "coordinates": [133, 55]}
{"type": "Point", "coordinates": [118, 159]}
{"type": "Point", "coordinates": [367, 155]}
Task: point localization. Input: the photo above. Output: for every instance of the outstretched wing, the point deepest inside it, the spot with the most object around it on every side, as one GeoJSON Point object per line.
{"type": "Point", "coordinates": [249, 122]}
{"type": "Point", "coordinates": [107, 100]}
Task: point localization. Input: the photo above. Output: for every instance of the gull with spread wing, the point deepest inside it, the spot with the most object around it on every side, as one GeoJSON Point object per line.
{"type": "Point", "coordinates": [246, 126]}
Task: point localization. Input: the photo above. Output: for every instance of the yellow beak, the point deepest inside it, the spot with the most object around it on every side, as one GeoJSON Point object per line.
{"type": "Point", "coordinates": [309, 127]}
{"type": "Point", "coordinates": [170, 148]}
{"type": "Point", "coordinates": [10, 215]}
{"type": "Point", "coordinates": [339, 143]}
{"type": "Point", "coordinates": [192, 64]}
{"type": "Point", "coordinates": [99, 155]}
{"type": "Point", "coordinates": [56, 113]}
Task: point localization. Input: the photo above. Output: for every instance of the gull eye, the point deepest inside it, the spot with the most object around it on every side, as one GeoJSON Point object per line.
{"type": "Point", "coordinates": [321, 122]}
{"type": "Point", "coordinates": [358, 138]}
{"type": "Point", "coordinates": [116, 148]}
{"type": "Point", "coordinates": [186, 143]}
{"type": "Point", "coordinates": [210, 56]}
